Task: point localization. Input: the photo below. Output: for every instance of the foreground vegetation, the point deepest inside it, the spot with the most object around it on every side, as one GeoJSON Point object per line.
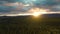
{"type": "Point", "coordinates": [29, 25]}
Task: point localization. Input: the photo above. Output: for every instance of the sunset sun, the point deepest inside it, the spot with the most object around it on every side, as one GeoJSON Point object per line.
{"type": "Point", "coordinates": [36, 14]}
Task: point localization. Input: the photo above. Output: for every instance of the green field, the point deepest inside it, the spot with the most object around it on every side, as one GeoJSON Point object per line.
{"type": "Point", "coordinates": [29, 25]}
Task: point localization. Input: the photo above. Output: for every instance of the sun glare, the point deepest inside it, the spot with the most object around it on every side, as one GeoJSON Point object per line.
{"type": "Point", "coordinates": [36, 14]}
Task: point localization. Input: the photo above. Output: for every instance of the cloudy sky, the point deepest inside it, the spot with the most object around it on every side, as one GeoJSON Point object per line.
{"type": "Point", "coordinates": [22, 6]}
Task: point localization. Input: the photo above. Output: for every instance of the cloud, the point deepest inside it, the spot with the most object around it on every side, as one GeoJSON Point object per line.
{"type": "Point", "coordinates": [22, 6]}
{"type": "Point", "coordinates": [13, 8]}
{"type": "Point", "coordinates": [12, 1]}
{"type": "Point", "coordinates": [55, 8]}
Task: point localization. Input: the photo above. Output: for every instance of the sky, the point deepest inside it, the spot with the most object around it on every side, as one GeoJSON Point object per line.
{"type": "Point", "coordinates": [23, 6]}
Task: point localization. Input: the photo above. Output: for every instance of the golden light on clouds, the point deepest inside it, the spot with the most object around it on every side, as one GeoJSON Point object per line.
{"type": "Point", "coordinates": [38, 11]}
{"type": "Point", "coordinates": [34, 10]}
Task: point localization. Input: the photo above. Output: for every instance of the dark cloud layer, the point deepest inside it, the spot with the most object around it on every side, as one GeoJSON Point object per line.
{"type": "Point", "coordinates": [38, 3]}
